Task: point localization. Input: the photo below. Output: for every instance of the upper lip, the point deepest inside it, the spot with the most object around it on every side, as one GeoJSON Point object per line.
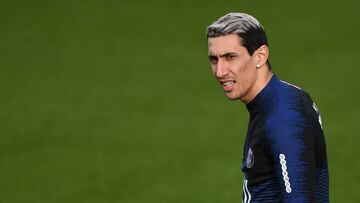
{"type": "Point", "coordinates": [224, 81]}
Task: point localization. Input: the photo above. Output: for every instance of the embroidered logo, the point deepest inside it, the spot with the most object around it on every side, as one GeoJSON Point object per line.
{"type": "Point", "coordinates": [250, 159]}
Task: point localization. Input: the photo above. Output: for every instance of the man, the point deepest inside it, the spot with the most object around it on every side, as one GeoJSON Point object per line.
{"type": "Point", "coordinates": [284, 157]}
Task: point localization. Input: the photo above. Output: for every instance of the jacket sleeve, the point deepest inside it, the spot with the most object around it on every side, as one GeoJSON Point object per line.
{"type": "Point", "coordinates": [292, 147]}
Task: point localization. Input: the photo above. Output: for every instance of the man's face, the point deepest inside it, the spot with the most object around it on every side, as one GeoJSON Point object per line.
{"type": "Point", "coordinates": [232, 66]}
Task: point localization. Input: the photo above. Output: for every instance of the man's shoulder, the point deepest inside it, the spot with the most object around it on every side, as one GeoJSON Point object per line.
{"type": "Point", "coordinates": [292, 97]}
{"type": "Point", "coordinates": [291, 102]}
{"type": "Point", "coordinates": [289, 89]}
{"type": "Point", "coordinates": [293, 110]}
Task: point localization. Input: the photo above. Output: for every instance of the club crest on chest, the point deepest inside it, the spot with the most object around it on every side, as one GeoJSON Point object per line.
{"type": "Point", "coordinates": [250, 159]}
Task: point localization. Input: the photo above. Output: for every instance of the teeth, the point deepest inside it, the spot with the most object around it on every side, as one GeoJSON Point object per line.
{"type": "Point", "coordinates": [228, 83]}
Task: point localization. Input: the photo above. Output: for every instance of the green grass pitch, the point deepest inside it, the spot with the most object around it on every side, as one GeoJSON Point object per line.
{"type": "Point", "coordinates": [114, 101]}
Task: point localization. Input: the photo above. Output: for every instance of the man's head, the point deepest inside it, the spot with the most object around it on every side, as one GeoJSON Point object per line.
{"type": "Point", "coordinates": [238, 52]}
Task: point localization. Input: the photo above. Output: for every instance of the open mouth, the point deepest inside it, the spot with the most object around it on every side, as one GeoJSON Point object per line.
{"type": "Point", "coordinates": [227, 85]}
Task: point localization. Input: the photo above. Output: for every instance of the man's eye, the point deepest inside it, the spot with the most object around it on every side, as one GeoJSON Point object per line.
{"type": "Point", "coordinates": [213, 60]}
{"type": "Point", "coordinates": [229, 57]}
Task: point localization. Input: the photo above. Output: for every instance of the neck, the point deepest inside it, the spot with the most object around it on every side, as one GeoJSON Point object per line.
{"type": "Point", "coordinates": [263, 78]}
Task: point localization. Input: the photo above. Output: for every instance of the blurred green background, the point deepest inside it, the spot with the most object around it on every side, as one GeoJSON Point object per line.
{"type": "Point", "coordinates": [114, 101]}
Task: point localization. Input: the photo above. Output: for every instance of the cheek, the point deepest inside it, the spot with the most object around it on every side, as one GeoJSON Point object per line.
{"type": "Point", "coordinates": [249, 67]}
{"type": "Point", "coordinates": [245, 73]}
{"type": "Point", "coordinates": [239, 67]}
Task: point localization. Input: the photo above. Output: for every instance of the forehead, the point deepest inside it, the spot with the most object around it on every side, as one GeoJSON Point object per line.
{"type": "Point", "coordinates": [223, 44]}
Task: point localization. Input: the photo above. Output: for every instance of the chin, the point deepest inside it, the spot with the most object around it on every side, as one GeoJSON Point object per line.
{"type": "Point", "coordinates": [232, 96]}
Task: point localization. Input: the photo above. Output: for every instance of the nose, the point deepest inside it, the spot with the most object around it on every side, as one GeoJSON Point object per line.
{"type": "Point", "coordinates": [222, 69]}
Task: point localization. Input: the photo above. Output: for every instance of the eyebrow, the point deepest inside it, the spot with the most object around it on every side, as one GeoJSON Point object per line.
{"type": "Point", "coordinates": [211, 56]}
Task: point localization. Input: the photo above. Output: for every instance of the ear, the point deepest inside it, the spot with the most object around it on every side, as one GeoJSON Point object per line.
{"type": "Point", "coordinates": [262, 55]}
